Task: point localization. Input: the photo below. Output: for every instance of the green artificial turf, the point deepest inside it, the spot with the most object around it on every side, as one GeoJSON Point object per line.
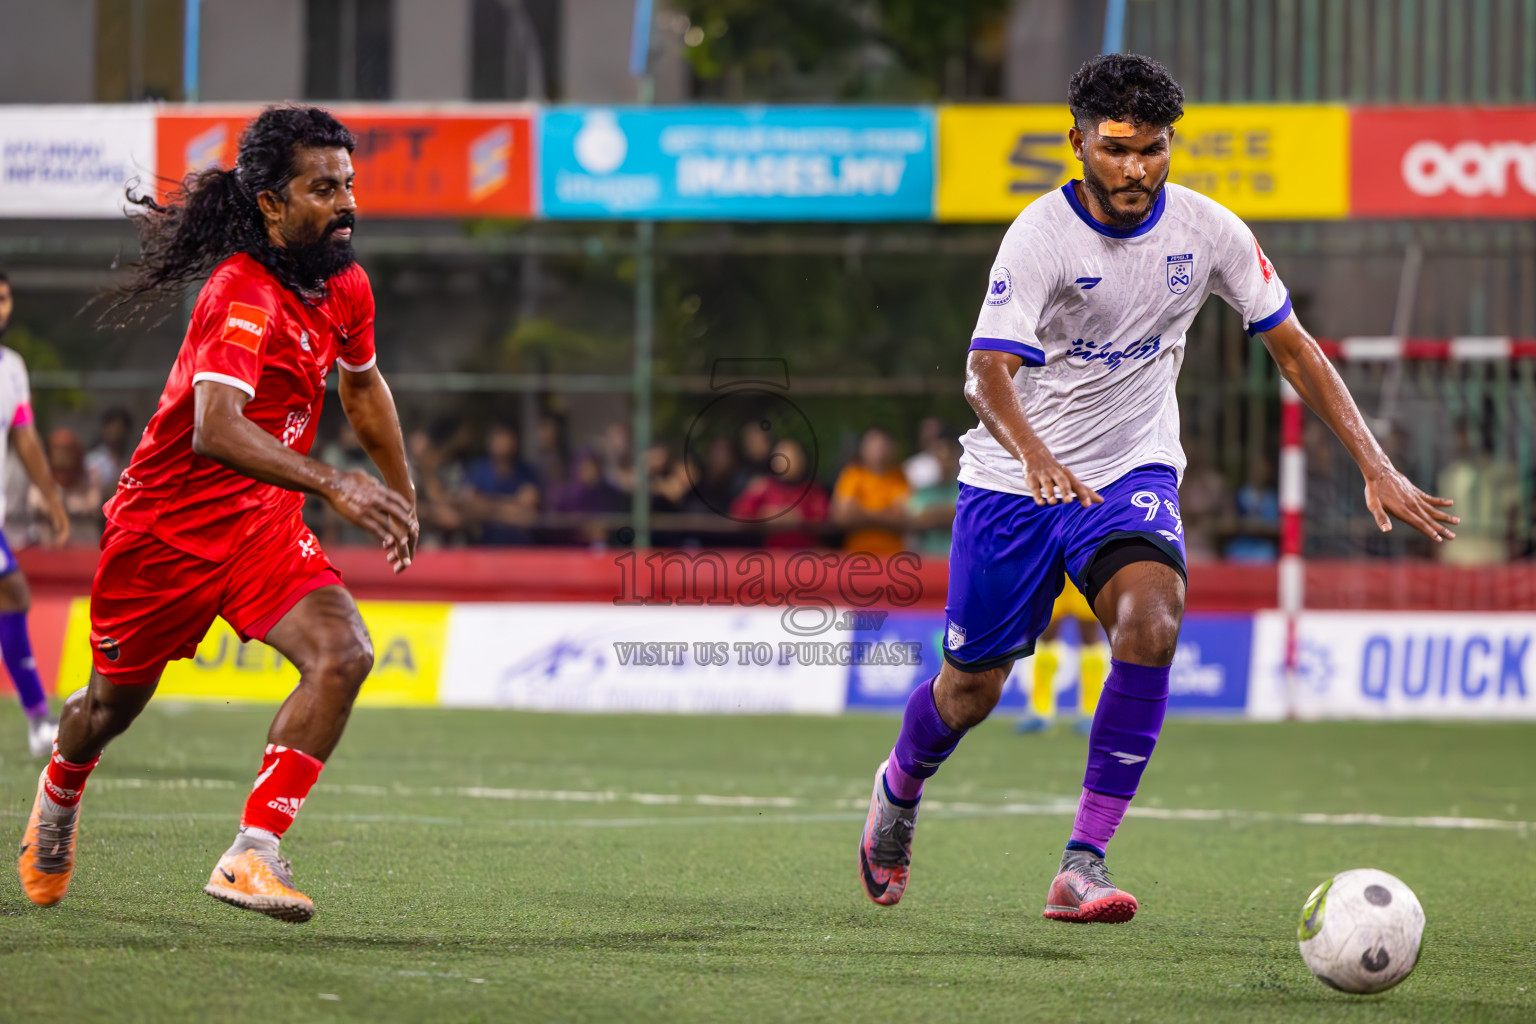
{"type": "Point", "coordinates": [495, 866]}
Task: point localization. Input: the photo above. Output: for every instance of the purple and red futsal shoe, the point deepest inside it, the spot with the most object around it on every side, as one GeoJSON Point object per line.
{"type": "Point", "coordinates": [1082, 892]}
{"type": "Point", "coordinates": [885, 850]}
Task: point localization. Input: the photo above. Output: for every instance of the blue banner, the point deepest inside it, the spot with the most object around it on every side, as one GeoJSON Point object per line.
{"type": "Point", "coordinates": [737, 163]}
{"type": "Point", "coordinates": [1209, 675]}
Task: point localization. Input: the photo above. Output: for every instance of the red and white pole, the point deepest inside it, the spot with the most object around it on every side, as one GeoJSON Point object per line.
{"type": "Point", "coordinates": [1293, 500]}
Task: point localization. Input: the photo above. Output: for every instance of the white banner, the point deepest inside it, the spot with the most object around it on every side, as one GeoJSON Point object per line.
{"type": "Point", "coordinates": [73, 161]}
{"type": "Point", "coordinates": [598, 657]}
{"type": "Point", "coordinates": [1398, 665]}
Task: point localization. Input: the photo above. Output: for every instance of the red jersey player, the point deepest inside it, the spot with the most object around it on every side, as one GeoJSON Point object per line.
{"type": "Point", "coordinates": [206, 520]}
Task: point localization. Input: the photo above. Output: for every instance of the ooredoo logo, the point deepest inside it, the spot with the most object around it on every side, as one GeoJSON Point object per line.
{"type": "Point", "coordinates": [1470, 168]}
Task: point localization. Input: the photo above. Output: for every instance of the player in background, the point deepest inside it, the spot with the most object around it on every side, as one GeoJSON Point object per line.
{"type": "Point", "coordinates": [15, 595]}
{"type": "Point", "coordinates": [206, 519]}
{"type": "Point", "coordinates": [1051, 651]}
{"type": "Point", "coordinates": [1075, 463]}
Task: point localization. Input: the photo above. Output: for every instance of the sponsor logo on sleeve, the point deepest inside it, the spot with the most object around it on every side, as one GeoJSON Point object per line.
{"type": "Point", "coordinates": [1000, 288]}
{"type": "Point", "coordinates": [245, 325]}
{"type": "Point", "coordinates": [1264, 265]}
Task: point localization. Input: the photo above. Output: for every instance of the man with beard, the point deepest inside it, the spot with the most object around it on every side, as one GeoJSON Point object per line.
{"type": "Point", "coordinates": [1076, 462]}
{"type": "Point", "coordinates": [206, 519]}
{"type": "Point", "coordinates": [15, 596]}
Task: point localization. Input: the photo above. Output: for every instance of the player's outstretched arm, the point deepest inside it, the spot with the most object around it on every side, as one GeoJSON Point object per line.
{"type": "Point", "coordinates": [370, 408]}
{"type": "Point", "coordinates": [221, 432]}
{"type": "Point", "coordinates": [1387, 491]}
{"type": "Point", "coordinates": [29, 449]}
{"type": "Point", "coordinates": [989, 388]}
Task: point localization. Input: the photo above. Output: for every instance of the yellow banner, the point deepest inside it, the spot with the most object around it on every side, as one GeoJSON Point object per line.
{"type": "Point", "coordinates": [1261, 162]}
{"type": "Point", "coordinates": [408, 643]}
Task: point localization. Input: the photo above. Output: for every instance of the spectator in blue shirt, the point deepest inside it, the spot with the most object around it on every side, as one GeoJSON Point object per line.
{"type": "Point", "coordinates": [503, 490]}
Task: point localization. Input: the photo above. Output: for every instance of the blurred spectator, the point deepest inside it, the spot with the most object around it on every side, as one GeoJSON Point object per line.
{"type": "Point", "coordinates": [502, 491]}
{"type": "Point", "coordinates": [1335, 509]}
{"type": "Point", "coordinates": [1205, 503]}
{"type": "Point", "coordinates": [585, 491]}
{"type": "Point", "coordinates": [82, 496]}
{"type": "Point", "coordinates": [1487, 495]}
{"type": "Point", "coordinates": [924, 469]}
{"type": "Point", "coordinates": [714, 483]}
{"type": "Point", "coordinates": [783, 501]}
{"type": "Point", "coordinates": [667, 480]}
{"type": "Point", "coordinates": [1258, 513]}
{"type": "Point", "coordinates": [551, 454]}
{"type": "Point", "coordinates": [106, 462]}
{"type": "Point", "coordinates": [438, 514]}
{"type": "Point", "coordinates": [754, 446]}
{"type": "Point", "coordinates": [931, 509]}
{"type": "Point", "coordinates": [618, 457]}
{"type": "Point", "coordinates": [869, 500]}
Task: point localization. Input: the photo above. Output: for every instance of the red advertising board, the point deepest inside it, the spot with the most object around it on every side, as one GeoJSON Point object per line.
{"type": "Point", "coordinates": [422, 163]}
{"type": "Point", "coordinates": [1443, 162]}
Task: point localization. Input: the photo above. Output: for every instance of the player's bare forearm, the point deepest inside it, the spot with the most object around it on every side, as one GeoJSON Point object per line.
{"type": "Point", "coordinates": [222, 433]}
{"type": "Point", "coordinates": [1387, 491]}
{"type": "Point", "coordinates": [29, 449]}
{"type": "Point", "coordinates": [990, 390]}
{"type": "Point", "coordinates": [370, 408]}
{"type": "Point", "coordinates": [1312, 374]}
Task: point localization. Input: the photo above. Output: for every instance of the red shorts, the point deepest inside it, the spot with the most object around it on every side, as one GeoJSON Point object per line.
{"type": "Point", "coordinates": [152, 603]}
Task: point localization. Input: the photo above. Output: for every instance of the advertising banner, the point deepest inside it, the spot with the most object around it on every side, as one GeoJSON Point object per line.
{"type": "Point", "coordinates": [1443, 162]}
{"type": "Point", "coordinates": [597, 657]}
{"type": "Point", "coordinates": [737, 163]}
{"type": "Point", "coordinates": [408, 644]}
{"type": "Point", "coordinates": [1209, 675]}
{"type": "Point", "coordinates": [409, 163]}
{"type": "Point", "coordinates": [73, 162]}
{"type": "Point", "coordinates": [1399, 665]}
{"type": "Point", "coordinates": [1261, 162]}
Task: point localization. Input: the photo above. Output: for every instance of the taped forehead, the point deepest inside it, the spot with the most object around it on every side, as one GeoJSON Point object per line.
{"type": "Point", "coordinates": [1109, 128]}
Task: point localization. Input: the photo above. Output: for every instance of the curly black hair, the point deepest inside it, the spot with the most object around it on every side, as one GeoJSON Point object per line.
{"type": "Point", "coordinates": [1124, 87]}
{"type": "Point", "coordinates": [213, 214]}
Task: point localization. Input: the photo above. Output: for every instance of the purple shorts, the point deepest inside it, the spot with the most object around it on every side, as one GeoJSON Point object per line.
{"type": "Point", "coordinates": [1009, 556]}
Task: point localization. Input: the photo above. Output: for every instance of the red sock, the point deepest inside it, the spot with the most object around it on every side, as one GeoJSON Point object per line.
{"type": "Point", "coordinates": [65, 780]}
{"type": "Point", "coordinates": [280, 789]}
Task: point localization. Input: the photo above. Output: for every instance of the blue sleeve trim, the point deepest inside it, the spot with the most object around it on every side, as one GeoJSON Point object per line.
{"type": "Point", "coordinates": [1031, 355]}
{"type": "Point", "coordinates": [1274, 319]}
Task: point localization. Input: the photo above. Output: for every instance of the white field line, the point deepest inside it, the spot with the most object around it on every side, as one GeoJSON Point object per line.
{"type": "Point", "coordinates": [850, 809]}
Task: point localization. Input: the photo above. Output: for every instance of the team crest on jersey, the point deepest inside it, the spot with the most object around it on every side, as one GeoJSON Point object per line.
{"type": "Point", "coordinates": [1181, 272]}
{"type": "Point", "coordinates": [304, 340]}
{"type": "Point", "coordinates": [1000, 287]}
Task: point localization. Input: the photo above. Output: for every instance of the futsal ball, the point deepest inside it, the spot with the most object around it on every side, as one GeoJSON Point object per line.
{"type": "Point", "coordinates": [1360, 931]}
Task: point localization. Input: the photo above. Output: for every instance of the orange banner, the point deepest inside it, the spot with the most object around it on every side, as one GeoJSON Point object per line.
{"type": "Point", "coordinates": [423, 163]}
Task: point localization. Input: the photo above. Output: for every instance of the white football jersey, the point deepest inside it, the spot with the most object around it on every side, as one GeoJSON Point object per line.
{"type": "Point", "coordinates": [1098, 315]}
{"type": "Point", "coordinates": [15, 404]}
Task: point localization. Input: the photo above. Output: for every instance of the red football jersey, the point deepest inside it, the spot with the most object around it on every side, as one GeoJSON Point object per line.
{"type": "Point", "coordinates": [251, 333]}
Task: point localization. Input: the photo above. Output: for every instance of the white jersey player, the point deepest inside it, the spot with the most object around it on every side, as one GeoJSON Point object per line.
{"type": "Point", "coordinates": [1075, 464]}
{"type": "Point", "coordinates": [16, 427]}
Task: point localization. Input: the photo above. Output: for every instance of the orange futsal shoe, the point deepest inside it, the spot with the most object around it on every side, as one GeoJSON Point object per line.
{"type": "Point", "coordinates": [47, 857]}
{"type": "Point", "coordinates": [1083, 893]}
{"type": "Point", "coordinates": [259, 880]}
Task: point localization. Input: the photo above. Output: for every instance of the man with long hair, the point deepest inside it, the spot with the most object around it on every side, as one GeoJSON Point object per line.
{"type": "Point", "coordinates": [1075, 464]}
{"type": "Point", "coordinates": [17, 426]}
{"type": "Point", "coordinates": [206, 519]}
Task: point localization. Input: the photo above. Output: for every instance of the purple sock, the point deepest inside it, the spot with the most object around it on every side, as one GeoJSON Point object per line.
{"type": "Point", "coordinates": [16, 649]}
{"type": "Point", "coordinates": [1097, 818]}
{"type": "Point", "coordinates": [923, 744]}
{"type": "Point", "coordinates": [1125, 728]}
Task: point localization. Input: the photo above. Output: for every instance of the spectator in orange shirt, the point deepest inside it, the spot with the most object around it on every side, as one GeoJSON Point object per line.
{"type": "Point", "coordinates": [869, 500]}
